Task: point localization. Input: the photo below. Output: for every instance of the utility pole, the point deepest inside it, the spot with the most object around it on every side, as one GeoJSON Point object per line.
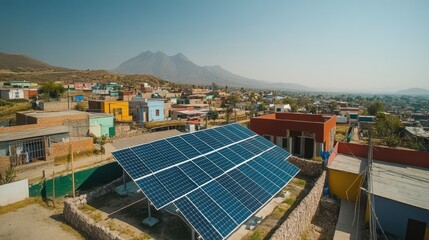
{"type": "Point", "coordinates": [72, 161]}
{"type": "Point", "coordinates": [372, 229]}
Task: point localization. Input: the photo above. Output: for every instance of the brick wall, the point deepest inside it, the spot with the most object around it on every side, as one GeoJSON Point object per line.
{"type": "Point", "coordinates": [299, 219]}
{"type": "Point", "coordinates": [79, 145]}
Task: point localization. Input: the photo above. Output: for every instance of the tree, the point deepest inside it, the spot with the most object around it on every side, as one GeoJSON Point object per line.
{"type": "Point", "coordinates": [212, 115]}
{"type": "Point", "coordinates": [375, 107]}
{"type": "Point", "coordinates": [9, 175]}
{"type": "Point", "coordinates": [53, 90]}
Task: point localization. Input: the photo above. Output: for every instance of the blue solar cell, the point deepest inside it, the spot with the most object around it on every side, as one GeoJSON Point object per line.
{"type": "Point", "coordinates": [211, 141]}
{"type": "Point", "coordinates": [264, 171]}
{"type": "Point", "coordinates": [151, 157]}
{"type": "Point", "coordinates": [197, 143]}
{"type": "Point", "coordinates": [195, 173]}
{"type": "Point", "coordinates": [247, 183]}
{"type": "Point", "coordinates": [228, 134]}
{"type": "Point", "coordinates": [273, 168]}
{"type": "Point", "coordinates": [256, 144]}
{"type": "Point", "coordinates": [242, 152]}
{"type": "Point", "coordinates": [153, 189]}
{"type": "Point", "coordinates": [208, 166]}
{"type": "Point", "coordinates": [176, 182]}
{"type": "Point", "coordinates": [216, 215]}
{"type": "Point", "coordinates": [220, 161]}
{"type": "Point", "coordinates": [244, 130]}
{"type": "Point", "coordinates": [197, 220]}
{"type": "Point", "coordinates": [231, 155]}
{"type": "Point", "coordinates": [131, 163]}
{"type": "Point", "coordinates": [229, 128]}
{"type": "Point", "coordinates": [169, 151]}
{"type": "Point", "coordinates": [263, 141]}
{"type": "Point", "coordinates": [250, 147]}
{"type": "Point", "coordinates": [227, 201]}
{"type": "Point", "coordinates": [184, 147]}
{"type": "Point", "coordinates": [218, 136]}
{"type": "Point", "coordinates": [259, 179]}
{"type": "Point", "coordinates": [239, 192]}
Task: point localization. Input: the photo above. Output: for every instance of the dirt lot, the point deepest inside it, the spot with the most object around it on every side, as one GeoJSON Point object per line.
{"type": "Point", "coordinates": [125, 215]}
{"type": "Point", "coordinates": [35, 222]}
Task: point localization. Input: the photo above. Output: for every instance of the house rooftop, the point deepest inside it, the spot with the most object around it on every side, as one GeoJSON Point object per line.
{"type": "Point", "coordinates": [348, 163]}
{"type": "Point", "coordinates": [99, 115]}
{"type": "Point", "coordinates": [52, 114]}
{"type": "Point", "coordinates": [402, 183]}
{"type": "Point", "coordinates": [145, 138]}
{"type": "Point", "coordinates": [33, 132]}
{"type": "Point", "coordinates": [298, 117]}
{"type": "Point", "coordinates": [417, 131]}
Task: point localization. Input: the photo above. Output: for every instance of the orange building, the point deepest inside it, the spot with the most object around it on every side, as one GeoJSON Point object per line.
{"type": "Point", "coordinates": [303, 135]}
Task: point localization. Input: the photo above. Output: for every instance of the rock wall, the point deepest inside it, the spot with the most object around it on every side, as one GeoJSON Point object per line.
{"type": "Point", "coordinates": [301, 216]}
{"type": "Point", "coordinates": [75, 217]}
{"type": "Point", "coordinates": [308, 167]}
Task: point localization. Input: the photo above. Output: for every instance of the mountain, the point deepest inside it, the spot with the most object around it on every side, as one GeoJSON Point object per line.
{"type": "Point", "coordinates": [414, 91]}
{"type": "Point", "coordinates": [180, 69]}
{"type": "Point", "coordinates": [20, 62]}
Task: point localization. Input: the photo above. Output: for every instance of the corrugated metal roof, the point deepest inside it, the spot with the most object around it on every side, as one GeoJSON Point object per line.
{"type": "Point", "coordinates": [31, 133]}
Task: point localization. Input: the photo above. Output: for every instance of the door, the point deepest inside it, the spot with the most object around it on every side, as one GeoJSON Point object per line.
{"type": "Point", "coordinates": [415, 230]}
{"type": "Point", "coordinates": [296, 146]}
{"type": "Point", "coordinates": [309, 148]}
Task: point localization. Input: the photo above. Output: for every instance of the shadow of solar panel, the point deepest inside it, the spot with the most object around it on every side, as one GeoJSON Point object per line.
{"type": "Point", "coordinates": [195, 173]}
{"type": "Point", "coordinates": [227, 201]}
{"type": "Point", "coordinates": [173, 155]}
{"type": "Point", "coordinates": [131, 163]}
{"type": "Point", "coordinates": [184, 147]}
{"type": "Point", "coordinates": [176, 182]}
{"type": "Point", "coordinates": [208, 167]}
{"type": "Point", "coordinates": [196, 219]}
{"type": "Point", "coordinates": [239, 192]}
{"type": "Point", "coordinates": [220, 161]}
{"type": "Point", "coordinates": [216, 215]}
{"type": "Point", "coordinates": [154, 190]}
{"type": "Point", "coordinates": [197, 143]}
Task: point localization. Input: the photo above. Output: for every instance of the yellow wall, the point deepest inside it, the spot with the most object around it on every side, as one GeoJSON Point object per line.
{"type": "Point", "coordinates": [109, 107]}
{"type": "Point", "coordinates": [427, 234]}
{"type": "Point", "coordinates": [344, 185]}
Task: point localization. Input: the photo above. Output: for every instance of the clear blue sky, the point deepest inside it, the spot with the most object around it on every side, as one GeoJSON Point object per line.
{"type": "Point", "coordinates": [382, 45]}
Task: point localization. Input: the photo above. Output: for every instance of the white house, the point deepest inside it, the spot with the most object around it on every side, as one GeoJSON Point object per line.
{"type": "Point", "coordinates": [12, 93]}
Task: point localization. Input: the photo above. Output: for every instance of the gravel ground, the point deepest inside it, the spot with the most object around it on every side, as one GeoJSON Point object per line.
{"type": "Point", "coordinates": [35, 222]}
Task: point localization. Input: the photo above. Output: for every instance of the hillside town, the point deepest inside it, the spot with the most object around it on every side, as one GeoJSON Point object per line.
{"type": "Point", "coordinates": [349, 149]}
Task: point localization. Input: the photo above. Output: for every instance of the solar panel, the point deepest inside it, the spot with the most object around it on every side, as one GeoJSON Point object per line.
{"type": "Point", "coordinates": [217, 178]}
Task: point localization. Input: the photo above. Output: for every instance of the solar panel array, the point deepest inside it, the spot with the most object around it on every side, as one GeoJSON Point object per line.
{"type": "Point", "coordinates": [217, 178]}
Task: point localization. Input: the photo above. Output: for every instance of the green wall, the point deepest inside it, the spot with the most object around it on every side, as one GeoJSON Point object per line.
{"type": "Point", "coordinates": [84, 180]}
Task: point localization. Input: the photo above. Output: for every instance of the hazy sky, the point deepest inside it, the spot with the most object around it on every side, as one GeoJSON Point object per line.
{"type": "Point", "coordinates": [381, 45]}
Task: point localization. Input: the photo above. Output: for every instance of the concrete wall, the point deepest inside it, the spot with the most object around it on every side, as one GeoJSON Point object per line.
{"type": "Point", "coordinates": [393, 216]}
{"type": "Point", "coordinates": [103, 124]}
{"type": "Point", "coordinates": [299, 219]}
{"type": "Point", "coordinates": [13, 192]}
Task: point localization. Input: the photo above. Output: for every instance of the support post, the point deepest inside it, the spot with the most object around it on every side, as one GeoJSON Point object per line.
{"type": "Point", "coordinates": [123, 179]}
{"type": "Point", "coordinates": [53, 187]}
{"type": "Point", "coordinates": [193, 234]}
{"type": "Point", "coordinates": [148, 209]}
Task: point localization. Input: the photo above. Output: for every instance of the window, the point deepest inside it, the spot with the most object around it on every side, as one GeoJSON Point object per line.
{"type": "Point", "coordinates": [284, 143]}
{"type": "Point", "coordinates": [157, 112]}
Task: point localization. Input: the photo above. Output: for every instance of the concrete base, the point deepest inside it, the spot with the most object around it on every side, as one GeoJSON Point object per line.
{"type": "Point", "coordinates": [150, 221]}
{"type": "Point", "coordinates": [131, 188]}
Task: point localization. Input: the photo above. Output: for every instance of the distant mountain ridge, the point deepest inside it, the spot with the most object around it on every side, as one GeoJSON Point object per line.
{"type": "Point", "coordinates": [414, 91]}
{"type": "Point", "coordinates": [178, 68]}
{"type": "Point", "coordinates": [22, 62]}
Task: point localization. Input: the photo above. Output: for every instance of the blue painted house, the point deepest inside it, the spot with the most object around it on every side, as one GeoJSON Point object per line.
{"type": "Point", "coordinates": [147, 109]}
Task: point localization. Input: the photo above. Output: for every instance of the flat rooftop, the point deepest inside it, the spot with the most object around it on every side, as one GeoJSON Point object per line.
{"type": "Point", "coordinates": [31, 133]}
{"type": "Point", "coordinates": [52, 114]}
{"type": "Point", "coordinates": [297, 117]}
{"type": "Point", "coordinates": [348, 163]}
{"type": "Point", "coordinates": [402, 183]}
{"type": "Point", "coordinates": [144, 138]}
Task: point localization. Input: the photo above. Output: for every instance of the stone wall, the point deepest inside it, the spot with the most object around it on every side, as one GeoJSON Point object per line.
{"type": "Point", "coordinates": [75, 217]}
{"type": "Point", "coordinates": [308, 167]}
{"type": "Point", "coordinates": [299, 219]}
